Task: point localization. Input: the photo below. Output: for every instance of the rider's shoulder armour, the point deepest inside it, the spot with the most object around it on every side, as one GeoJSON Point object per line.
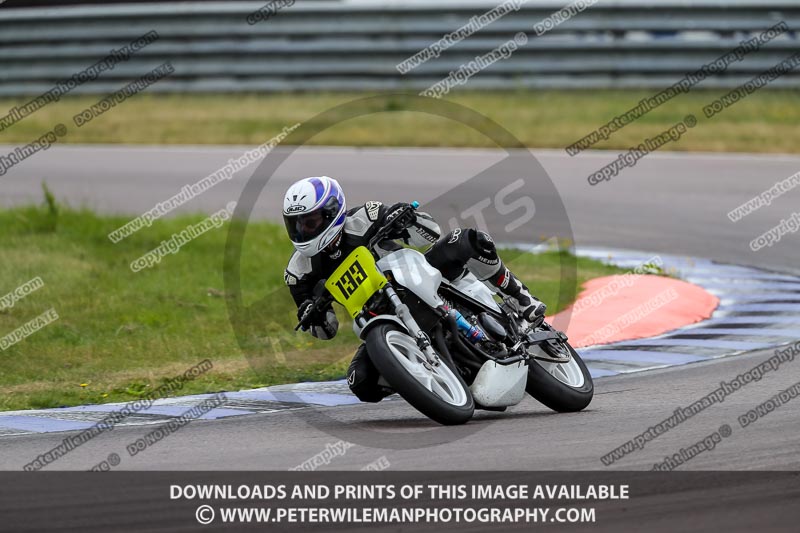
{"type": "Point", "coordinates": [361, 219]}
{"type": "Point", "coordinates": [298, 268]}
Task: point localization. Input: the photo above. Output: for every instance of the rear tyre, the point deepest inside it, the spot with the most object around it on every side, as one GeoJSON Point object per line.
{"type": "Point", "coordinates": [439, 393]}
{"type": "Point", "coordinates": [563, 387]}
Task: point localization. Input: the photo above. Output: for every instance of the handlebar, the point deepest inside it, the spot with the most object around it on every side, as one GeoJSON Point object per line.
{"type": "Point", "coordinates": [322, 299]}
{"type": "Point", "coordinates": [320, 303]}
{"type": "Point", "coordinates": [384, 231]}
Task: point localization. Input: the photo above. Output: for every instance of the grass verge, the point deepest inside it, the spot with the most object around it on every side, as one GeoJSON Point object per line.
{"type": "Point", "coordinates": [121, 334]}
{"type": "Point", "coordinates": [763, 122]}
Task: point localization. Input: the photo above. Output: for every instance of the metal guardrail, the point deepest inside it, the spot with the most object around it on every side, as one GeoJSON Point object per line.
{"type": "Point", "coordinates": [356, 44]}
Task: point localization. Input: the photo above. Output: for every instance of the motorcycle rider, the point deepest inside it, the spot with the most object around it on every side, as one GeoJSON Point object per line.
{"type": "Point", "coordinates": [323, 232]}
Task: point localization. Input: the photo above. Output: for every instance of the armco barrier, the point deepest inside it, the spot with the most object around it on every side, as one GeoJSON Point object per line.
{"type": "Point", "coordinates": [357, 44]}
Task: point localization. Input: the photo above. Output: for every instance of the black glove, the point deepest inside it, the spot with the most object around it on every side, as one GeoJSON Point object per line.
{"type": "Point", "coordinates": [484, 244]}
{"type": "Point", "coordinates": [401, 215]}
{"type": "Point", "coordinates": [535, 313]}
{"type": "Point", "coordinates": [322, 323]}
{"type": "Point", "coordinates": [308, 316]}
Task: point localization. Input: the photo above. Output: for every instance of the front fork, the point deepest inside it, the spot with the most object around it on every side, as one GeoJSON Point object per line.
{"type": "Point", "coordinates": [404, 314]}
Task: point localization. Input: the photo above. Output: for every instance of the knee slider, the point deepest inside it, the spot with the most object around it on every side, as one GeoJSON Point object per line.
{"type": "Point", "coordinates": [483, 244]}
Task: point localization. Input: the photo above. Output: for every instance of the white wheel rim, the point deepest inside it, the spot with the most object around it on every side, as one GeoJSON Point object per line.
{"type": "Point", "coordinates": [568, 373]}
{"type": "Point", "coordinates": [439, 380]}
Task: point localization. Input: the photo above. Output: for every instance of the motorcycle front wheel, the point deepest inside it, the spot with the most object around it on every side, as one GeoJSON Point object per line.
{"type": "Point", "coordinates": [438, 392]}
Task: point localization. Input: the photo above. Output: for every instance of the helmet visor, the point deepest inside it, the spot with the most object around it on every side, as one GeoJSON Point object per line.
{"type": "Point", "coordinates": [304, 227]}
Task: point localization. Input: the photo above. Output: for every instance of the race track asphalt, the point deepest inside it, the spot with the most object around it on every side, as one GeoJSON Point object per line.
{"type": "Point", "coordinates": [671, 203]}
{"type": "Point", "coordinates": [527, 437]}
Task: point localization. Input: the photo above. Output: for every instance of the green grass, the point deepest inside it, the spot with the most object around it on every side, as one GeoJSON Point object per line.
{"type": "Point", "coordinates": [120, 334]}
{"type": "Point", "coordinates": [765, 121]}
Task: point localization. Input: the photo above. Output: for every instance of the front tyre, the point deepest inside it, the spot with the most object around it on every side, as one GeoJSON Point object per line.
{"type": "Point", "coordinates": [563, 387]}
{"type": "Point", "coordinates": [439, 393]}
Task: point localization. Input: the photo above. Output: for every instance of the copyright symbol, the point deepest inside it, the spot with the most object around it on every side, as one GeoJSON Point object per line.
{"type": "Point", "coordinates": [725, 431]}
{"type": "Point", "coordinates": [690, 121]}
{"type": "Point", "coordinates": [521, 38]}
{"type": "Point", "coordinates": [204, 514]}
{"type": "Point", "coordinates": [60, 130]}
{"type": "Point", "coordinates": [113, 459]}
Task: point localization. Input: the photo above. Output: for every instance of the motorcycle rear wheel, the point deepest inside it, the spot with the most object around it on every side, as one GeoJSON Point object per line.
{"type": "Point", "coordinates": [563, 387]}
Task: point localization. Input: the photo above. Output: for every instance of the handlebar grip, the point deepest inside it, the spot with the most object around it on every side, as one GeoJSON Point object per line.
{"type": "Point", "coordinates": [320, 303]}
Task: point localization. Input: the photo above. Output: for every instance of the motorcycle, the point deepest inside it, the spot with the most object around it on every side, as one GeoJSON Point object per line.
{"type": "Point", "coordinates": [446, 346]}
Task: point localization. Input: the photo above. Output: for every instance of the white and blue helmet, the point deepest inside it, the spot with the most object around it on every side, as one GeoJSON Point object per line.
{"type": "Point", "coordinates": [314, 210]}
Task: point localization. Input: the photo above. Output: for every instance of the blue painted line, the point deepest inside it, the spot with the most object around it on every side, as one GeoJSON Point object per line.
{"type": "Point", "coordinates": [766, 332]}
{"type": "Point", "coordinates": [721, 314]}
{"type": "Point", "coordinates": [754, 319]}
{"type": "Point", "coordinates": [601, 372]}
{"type": "Point", "coordinates": [745, 289]}
{"type": "Point", "coordinates": [221, 412]}
{"type": "Point", "coordinates": [303, 397]}
{"type": "Point", "coordinates": [40, 424]}
{"type": "Point", "coordinates": [707, 343]}
{"type": "Point", "coordinates": [700, 351]}
{"type": "Point", "coordinates": [164, 410]}
{"type": "Point", "coordinates": [105, 408]}
{"type": "Point", "coordinates": [765, 297]}
{"type": "Point", "coordinates": [285, 395]}
{"type": "Point", "coordinates": [328, 400]}
{"type": "Point", "coordinates": [642, 356]}
{"type": "Point", "coordinates": [759, 285]}
{"type": "Point", "coordinates": [701, 276]}
{"type": "Point", "coordinates": [760, 307]}
{"type": "Point", "coordinates": [618, 255]}
{"type": "Point", "coordinates": [698, 261]}
{"type": "Point", "coordinates": [720, 270]}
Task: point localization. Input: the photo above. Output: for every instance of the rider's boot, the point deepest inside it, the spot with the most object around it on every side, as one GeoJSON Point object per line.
{"type": "Point", "coordinates": [530, 308]}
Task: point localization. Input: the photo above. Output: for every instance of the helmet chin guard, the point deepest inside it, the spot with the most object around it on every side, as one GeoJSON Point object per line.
{"type": "Point", "coordinates": [314, 211]}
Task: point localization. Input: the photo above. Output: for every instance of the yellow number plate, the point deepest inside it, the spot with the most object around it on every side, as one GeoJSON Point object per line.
{"type": "Point", "coordinates": [355, 281]}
